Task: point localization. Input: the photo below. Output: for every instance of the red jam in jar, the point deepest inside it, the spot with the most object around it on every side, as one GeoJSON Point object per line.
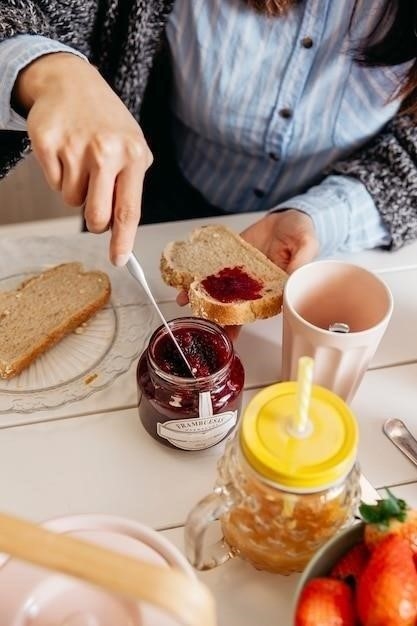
{"type": "Point", "coordinates": [185, 412]}
{"type": "Point", "coordinates": [232, 283]}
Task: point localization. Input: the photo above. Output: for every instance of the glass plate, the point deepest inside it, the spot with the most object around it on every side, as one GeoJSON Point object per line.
{"type": "Point", "coordinates": [83, 362]}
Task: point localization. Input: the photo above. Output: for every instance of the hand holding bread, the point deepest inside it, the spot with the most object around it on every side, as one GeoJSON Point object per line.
{"type": "Point", "coordinates": [227, 280]}
{"type": "Point", "coordinates": [288, 237]}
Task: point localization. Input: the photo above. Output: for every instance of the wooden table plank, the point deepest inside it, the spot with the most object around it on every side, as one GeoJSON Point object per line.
{"type": "Point", "coordinates": [107, 463]}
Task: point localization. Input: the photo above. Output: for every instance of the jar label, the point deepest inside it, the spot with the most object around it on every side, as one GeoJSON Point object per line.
{"type": "Point", "coordinates": [203, 431]}
{"type": "Point", "coordinates": [197, 433]}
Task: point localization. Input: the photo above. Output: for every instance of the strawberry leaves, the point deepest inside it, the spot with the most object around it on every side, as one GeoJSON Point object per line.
{"type": "Point", "coordinates": [384, 511]}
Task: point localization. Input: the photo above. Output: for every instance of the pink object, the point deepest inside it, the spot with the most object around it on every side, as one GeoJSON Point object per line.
{"type": "Point", "coordinates": [324, 293]}
{"type": "Point", "coordinates": [31, 596]}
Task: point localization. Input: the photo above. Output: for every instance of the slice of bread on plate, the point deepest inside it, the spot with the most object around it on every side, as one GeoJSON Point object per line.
{"type": "Point", "coordinates": [45, 308]}
{"type": "Point", "coordinates": [227, 280]}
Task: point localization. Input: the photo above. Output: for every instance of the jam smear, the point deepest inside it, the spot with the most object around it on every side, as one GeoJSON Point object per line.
{"type": "Point", "coordinates": [231, 284]}
{"type": "Point", "coordinates": [206, 353]}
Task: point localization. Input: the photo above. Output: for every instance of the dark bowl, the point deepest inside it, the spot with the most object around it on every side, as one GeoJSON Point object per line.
{"type": "Point", "coordinates": [328, 555]}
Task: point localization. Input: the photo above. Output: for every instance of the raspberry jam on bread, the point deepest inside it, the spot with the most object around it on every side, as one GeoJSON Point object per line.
{"type": "Point", "coordinates": [183, 412]}
{"type": "Point", "coordinates": [232, 284]}
{"type": "Point", "coordinates": [228, 281]}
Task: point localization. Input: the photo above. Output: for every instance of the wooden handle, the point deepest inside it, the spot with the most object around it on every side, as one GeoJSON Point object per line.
{"type": "Point", "coordinates": [169, 589]}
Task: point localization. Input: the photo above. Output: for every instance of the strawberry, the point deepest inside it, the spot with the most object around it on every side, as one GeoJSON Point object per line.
{"type": "Point", "coordinates": [389, 516]}
{"type": "Point", "coordinates": [351, 565]}
{"type": "Point", "coordinates": [325, 602]}
{"type": "Point", "coordinates": [387, 589]}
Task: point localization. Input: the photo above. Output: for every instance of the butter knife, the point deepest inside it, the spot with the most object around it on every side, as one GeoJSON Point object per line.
{"type": "Point", "coordinates": [401, 437]}
{"type": "Point", "coordinates": [137, 272]}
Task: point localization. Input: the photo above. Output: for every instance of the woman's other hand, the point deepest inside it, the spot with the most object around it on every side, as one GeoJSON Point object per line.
{"type": "Point", "coordinates": [288, 238]}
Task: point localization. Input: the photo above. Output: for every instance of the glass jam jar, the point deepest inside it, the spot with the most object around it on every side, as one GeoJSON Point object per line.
{"type": "Point", "coordinates": [184, 412]}
{"type": "Point", "coordinates": [280, 497]}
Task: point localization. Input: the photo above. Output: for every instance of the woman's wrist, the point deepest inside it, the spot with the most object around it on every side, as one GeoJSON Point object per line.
{"type": "Point", "coordinates": [48, 70]}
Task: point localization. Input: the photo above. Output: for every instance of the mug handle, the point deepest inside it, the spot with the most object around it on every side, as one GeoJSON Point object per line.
{"type": "Point", "coordinates": [209, 509]}
{"type": "Point", "coordinates": [167, 588]}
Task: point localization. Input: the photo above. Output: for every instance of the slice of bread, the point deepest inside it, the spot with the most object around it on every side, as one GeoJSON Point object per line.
{"type": "Point", "coordinates": [211, 250]}
{"type": "Point", "coordinates": [45, 308]}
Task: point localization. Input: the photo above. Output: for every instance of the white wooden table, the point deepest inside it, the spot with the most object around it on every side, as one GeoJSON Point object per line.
{"type": "Point", "coordinates": [93, 456]}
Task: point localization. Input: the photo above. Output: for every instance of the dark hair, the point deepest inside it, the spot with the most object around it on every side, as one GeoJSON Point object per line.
{"type": "Point", "coordinates": [393, 41]}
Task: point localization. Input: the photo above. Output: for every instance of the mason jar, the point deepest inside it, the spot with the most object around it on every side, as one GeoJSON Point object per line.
{"type": "Point", "coordinates": [181, 411]}
{"type": "Point", "coordinates": [280, 497]}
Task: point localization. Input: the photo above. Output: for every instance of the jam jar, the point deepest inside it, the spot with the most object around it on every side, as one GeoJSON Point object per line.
{"type": "Point", "coordinates": [184, 411]}
{"type": "Point", "coordinates": [279, 498]}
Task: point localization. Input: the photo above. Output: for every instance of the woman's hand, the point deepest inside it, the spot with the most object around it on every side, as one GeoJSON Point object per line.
{"type": "Point", "coordinates": [89, 146]}
{"type": "Point", "coordinates": [288, 238]}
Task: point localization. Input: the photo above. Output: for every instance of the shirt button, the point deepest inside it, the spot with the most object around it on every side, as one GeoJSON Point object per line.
{"type": "Point", "coordinates": [307, 42]}
{"type": "Point", "coordinates": [286, 113]}
{"type": "Point", "coordinates": [259, 193]}
{"type": "Point", "coordinates": [274, 156]}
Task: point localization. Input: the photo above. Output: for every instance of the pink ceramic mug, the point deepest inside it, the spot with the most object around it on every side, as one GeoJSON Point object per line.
{"type": "Point", "coordinates": [324, 293]}
{"type": "Point", "coordinates": [31, 596]}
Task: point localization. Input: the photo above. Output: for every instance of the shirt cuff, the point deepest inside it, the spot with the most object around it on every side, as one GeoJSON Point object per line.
{"type": "Point", "coordinates": [15, 54]}
{"type": "Point", "coordinates": [344, 215]}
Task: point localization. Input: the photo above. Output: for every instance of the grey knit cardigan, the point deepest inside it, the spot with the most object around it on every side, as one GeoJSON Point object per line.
{"type": "Point", "coordinates": [121, 37]}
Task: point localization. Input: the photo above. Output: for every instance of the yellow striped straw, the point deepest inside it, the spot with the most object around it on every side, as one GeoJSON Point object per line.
{"type": "Point", "coordinates": [304, 384]}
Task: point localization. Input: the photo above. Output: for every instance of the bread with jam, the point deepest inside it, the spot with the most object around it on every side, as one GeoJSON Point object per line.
{"type": "Point", "coordinates": [228, 281]}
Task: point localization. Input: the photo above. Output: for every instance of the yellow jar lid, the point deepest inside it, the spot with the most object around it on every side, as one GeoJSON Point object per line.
{"type": "Point", "coordinates": [320, 458]}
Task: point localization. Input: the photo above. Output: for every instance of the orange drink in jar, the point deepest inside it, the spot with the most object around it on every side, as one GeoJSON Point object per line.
{"type": "Point", "coordinates": [280, 492]}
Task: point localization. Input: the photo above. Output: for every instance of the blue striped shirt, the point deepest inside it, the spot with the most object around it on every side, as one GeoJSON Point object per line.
{"type": "Point", "coordinates": [263, 105]}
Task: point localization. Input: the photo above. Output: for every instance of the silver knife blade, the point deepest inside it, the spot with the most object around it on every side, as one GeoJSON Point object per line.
{"type": "Point", "coordinates": [137, 272]}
